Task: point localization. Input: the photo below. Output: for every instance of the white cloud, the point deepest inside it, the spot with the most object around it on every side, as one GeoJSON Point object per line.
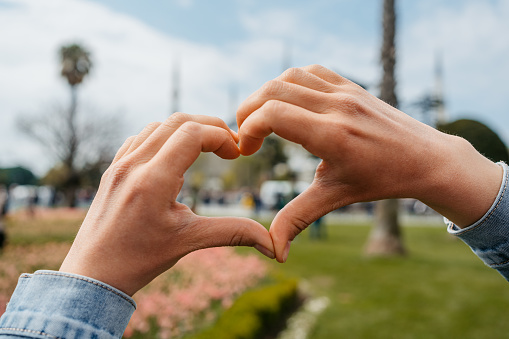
{"type": "Point", "coordinates": [276, 23]}
{"type": "Point", "coordinates": [185, 3]}
{"type": "Point", "coordinates": [132, 69]}
{"type": "Point", "coordinates": [474, 43]}
{"type": "Point", "coordinates": [309, 44]}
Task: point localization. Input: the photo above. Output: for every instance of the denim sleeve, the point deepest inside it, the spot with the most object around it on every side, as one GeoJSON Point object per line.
{"type": "Point", "coordinates": [50, 305]}
{"type": "Point", "coordinates": [489, 236]}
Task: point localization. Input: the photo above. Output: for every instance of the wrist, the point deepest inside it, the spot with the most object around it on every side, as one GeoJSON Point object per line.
{"type": "Point", "coordinates": [463, 184]}
{"type": "Point", "coordinates": [95, 267]}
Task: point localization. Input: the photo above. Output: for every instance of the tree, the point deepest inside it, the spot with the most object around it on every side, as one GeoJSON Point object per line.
{"type": "Point", "coordinates": [251, 171]}
{"type": "Point", "coordinates": [17, 175]}
{"type": "Point", "coordinates": [385, 237]}
{"type": "Point", "coordinates": [485, 141]}
{"type": "Point", "coordinates": [77, 141]}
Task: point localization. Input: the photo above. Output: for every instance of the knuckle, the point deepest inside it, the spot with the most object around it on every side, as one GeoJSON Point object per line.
{"type": "Point", "coordinates": [153, 125]}
{"type": "Point", "coordinates": [272, 106]}
{"type": "Point", "coordinates": [116, 174]}
{"type": "Point", "coordinates": [272, 88]}
{"type": "Point", "coordinates": [316, 67]}
{"type": "Point", "coordinates": [191, 129]}
{"type": "Point", "coordinates": [129, 140]}
{"type": "Point", "coordinates": [292, 73]}
{"type": "Point", "coordinates": [236, 239]}
{"type": "Point", "coordinates": [300, 224]}
{"type": "Point", "coordinates": [217, 121]}
{"type": "Point", "coordinates": [177, 118]}
{"type": "Point", "coordinates": [350, 103]}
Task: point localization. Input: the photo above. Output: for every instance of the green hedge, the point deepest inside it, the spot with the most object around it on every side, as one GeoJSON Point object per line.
{"type": "Point", "coordinates": [255, 313]}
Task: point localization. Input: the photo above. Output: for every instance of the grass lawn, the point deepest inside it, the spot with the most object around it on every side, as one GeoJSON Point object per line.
{"type": "Point", "coordinates": [51, 226]}
{"type": "Point", "coordinates": [439, 290]}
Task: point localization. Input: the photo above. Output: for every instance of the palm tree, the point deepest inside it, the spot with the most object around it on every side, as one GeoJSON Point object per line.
{"type": "Point", "coordinates": [83, 145]}
{"type": "Point", "coordinates": [76, 64]}
{"type": "Point", "coordinates": [385, 238]}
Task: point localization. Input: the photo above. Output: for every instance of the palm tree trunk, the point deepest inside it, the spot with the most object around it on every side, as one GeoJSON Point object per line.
{"type": "Point", "coordinates": [385, 237]}
{"type": "Point", "coordinates": [72, 181]}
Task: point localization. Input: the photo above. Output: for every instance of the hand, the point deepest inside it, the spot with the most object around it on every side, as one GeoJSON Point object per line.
{"type": "Point", "coordinates": [369, 151]}
{"type": "Point", "coordinates": [135, 229]}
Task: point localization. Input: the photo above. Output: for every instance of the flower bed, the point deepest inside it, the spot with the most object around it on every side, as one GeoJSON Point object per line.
{"type": "Point", "coordinates": [182, 300]}
{"type": "Point", "coordinates": [191, 294]}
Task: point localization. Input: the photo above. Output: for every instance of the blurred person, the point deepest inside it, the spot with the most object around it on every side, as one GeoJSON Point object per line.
{"type": "Point", "coordinates": [369, 151]}
{"type": "Point", "coordinates": [257, 203]}
{"type": "Point", "coordinates": [4, 197]}
{"type": "Point", "coordinates": [33, 201]}
{"type": "Point", "coordinates": [317, 230]}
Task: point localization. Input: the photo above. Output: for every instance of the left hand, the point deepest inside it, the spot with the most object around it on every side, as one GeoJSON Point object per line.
{"type": "Point", "coordinates": [369, 151]}
{"type": "Point", "coordinates": [135, 229]}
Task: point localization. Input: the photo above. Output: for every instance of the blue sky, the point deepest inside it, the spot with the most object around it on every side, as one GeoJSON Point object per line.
{"type": "Point", "coordinates": [219, 22]}
{"type": "Point", "coordinates": [240, 44]}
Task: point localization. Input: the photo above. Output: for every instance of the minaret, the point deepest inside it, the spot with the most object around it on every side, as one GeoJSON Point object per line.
{"type": "Point", "coordinates": [233, 102]}
{"type": "Point", "coordinates": [175, 91]}
{"type": "Point", "coordinates": [438, 93]}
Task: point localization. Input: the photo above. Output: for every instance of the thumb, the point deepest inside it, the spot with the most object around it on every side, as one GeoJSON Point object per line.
{"type": "Point", "coordinates": [297, 215]}
{"type": "Point", "coordinates": [231, 231]}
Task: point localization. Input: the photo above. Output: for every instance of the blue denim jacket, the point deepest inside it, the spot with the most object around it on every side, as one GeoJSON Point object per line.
{"type": "Point", "coordinates": [489, 237]}
{"type": "Point", "coordinates": [51, 305]}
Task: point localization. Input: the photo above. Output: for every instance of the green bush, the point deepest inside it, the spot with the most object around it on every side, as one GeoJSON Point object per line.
{"type": "Point", "coordinates": [255, 313]}
{"type": "Point", "coordinates": [484, 139]}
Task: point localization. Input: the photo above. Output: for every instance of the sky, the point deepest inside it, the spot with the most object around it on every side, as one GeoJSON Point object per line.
{"type": "Point", "coordinates": [226, 49]}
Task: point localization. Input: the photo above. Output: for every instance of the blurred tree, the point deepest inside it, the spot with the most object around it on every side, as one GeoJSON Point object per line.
{"type": "Point", "coordinates": [251, 171]}
{"type": "Point", "coordinates": [480, 136]}
{"type": "Point", "coordinates": [78, 142]}
{"type": "Point", "coordinates": [17, 175]}
{"type": "Point", "coordinates": [385, 237]}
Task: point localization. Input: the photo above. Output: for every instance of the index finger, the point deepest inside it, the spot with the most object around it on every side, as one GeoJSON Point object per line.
{"type": "Point", "coordinates": [185, 145]}
{"type": "Point", "coordinates": [326, 74]}
{"type": "Point", "coordinates": [295, 86]}
{"type": "Point", "coordinates": [151, 142]}
{"type": "Point", "coordinates": [290, 122]}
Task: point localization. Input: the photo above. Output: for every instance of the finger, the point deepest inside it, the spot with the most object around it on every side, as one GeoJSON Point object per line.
{"type": "Point", "coordinates": [295, 94]}
{"type": "Point", "coordinates": [230, 231]}
{"type": "Point", "coordinates": [326, 74]}
{"type": "Point", "coordinates": [158, 138]}
{"type": "Point", "coordinates": [297, 215]}
{"type": "Point", "coordinates": [299, 76]}
{"type": "Point", "coordinates": [142, 136]}
{"type": "Point", "coordinates": [123, 149]}
{"type": "Point", "coordinates": [189, 140]}
{"type": "Point", "coordinates": [290, 122]}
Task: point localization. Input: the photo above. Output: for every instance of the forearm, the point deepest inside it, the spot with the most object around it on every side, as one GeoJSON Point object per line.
{"type": "Point", "coordinates": [463, 184]}
{"type": "Point", "coordinates": [49, 304]}
{"type": "Point", "coordinates": [488, 237]}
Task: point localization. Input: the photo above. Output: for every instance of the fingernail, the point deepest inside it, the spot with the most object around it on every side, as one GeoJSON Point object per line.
{"type": "Point", "coordinates": [286, 251]}
{"type": "Point", "coordinates": [264, 251]}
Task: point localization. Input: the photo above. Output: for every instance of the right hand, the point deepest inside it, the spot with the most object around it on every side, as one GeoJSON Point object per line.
{"type": "Point", "coordinates": [369, 149]}
{"type": "Point", "coordinates": [135, 228]}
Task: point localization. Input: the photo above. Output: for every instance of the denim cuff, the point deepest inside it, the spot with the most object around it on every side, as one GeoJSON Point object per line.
{"type": "Point", "coordinates": [50, 304]}
{"type": "Point", "coordinates": [489, 236]}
